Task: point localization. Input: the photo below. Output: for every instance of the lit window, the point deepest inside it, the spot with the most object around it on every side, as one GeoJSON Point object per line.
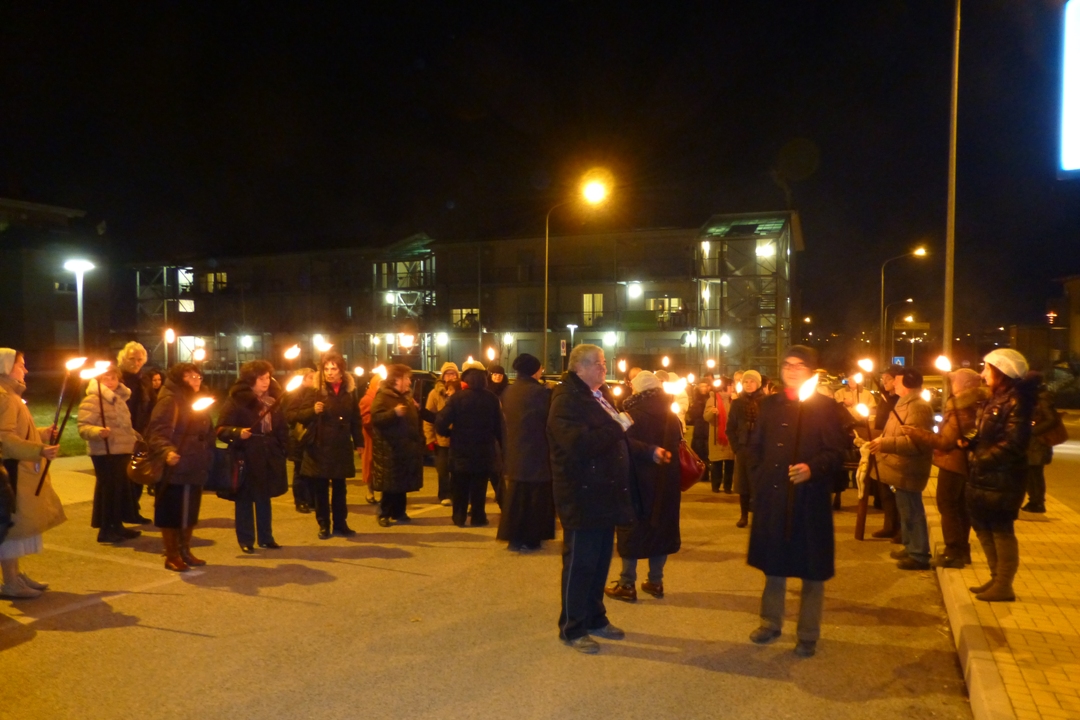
{"type": "Point", "coordinates": [592, 306]}
{"type": "Point", "coordinates": [465, 318]}
{"type": "Point", "coordinates": [64, 287]}
{"type": "Point", "coordinates": [185, 278]}
{"type": "Point", "coordinates": [185, 305]}
{"type": "Point", "coordinates": [214, 282]}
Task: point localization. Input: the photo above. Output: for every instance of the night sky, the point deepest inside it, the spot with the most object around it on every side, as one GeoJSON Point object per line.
{"type": "Point", "coordinates": [229, 127]}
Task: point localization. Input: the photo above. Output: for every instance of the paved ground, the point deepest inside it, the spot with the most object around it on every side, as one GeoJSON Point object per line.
{"type": "Point", "coordinates": [432, 621]}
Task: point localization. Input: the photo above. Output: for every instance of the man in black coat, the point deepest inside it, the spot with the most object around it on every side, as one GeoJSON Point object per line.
{"type": "Point", "coordinates": [797, 447]}
{"type": "Point", "coordinates": [590, 470]}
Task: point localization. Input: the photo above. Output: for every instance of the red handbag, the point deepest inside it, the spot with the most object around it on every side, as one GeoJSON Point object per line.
{"type": "Point", "coordinates": [691, 468]}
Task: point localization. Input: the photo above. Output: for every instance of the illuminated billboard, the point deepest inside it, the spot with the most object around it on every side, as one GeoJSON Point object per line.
{"type": "Point", "coordinates": [1070, 94]}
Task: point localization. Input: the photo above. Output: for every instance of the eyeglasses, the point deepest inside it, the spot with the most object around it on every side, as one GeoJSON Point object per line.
{"type": "Point", "coordinates": [794, 366]}
{"type": "Point", "coordinates": [191, 377]}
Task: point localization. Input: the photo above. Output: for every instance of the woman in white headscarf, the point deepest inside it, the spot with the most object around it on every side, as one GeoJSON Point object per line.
{"type": "Point", "coordinates": [25, 449]}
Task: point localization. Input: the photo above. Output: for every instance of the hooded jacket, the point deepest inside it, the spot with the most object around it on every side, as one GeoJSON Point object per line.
{"type": "Point", "coordinates": [117, 418]}
{"type": "Point", "coordinates": [957, 421]}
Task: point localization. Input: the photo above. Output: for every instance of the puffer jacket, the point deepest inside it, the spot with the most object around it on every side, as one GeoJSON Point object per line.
{"type": "Point", "coordinates": [1043, 419]}
{"type": "Point", "coordinates": [398, 452]}
{"type": "Point", "coordinates": [175, 427]}
{"type": "Point", "coordinates": [122, 437]}
{"type": "Point", "coordinates": [958, 421]}
{"type": "Point", "coordinates": [903, 461]}
{"type": "Point", "coordinates": [997, 457]}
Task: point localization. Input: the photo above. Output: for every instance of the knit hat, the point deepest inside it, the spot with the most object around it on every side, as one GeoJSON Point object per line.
{"type": "Point", "coordinates": [912, 379]}
{"type": "Point", "coordinates": [751, 374]}
{"type": "Point", "coordinates": [448, 366]}
{"type": "Point", "coordinates": [472, 365]}
{"type": "Point", "coordinates": [893, 370]}
{"type": "Point", "coordinates": [7, 360]}
{"type": "Point", "coordinates": [807, 354]}
{"type": "Point", "coordinates": [526, 365]}
{"type": "Point", "coordinates": [968, 378]}
{"type": "Point", "coordinates": [662, 375]}
{"type": "Point", "coordinates": [1009, 362]}
{"type": "Point", "coordinates": [643, 381]}
{"type": "Point", "coordinates": [497, 370]}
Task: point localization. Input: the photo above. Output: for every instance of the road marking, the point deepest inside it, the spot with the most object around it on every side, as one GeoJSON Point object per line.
{"type": "Point", "coordinates": [103, 556]}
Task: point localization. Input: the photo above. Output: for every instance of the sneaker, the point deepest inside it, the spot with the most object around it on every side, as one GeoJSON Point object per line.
{"type": "Point", "coordinates": [446, 503]}
{"type": "Point", "coordinates": [618, 591]}
{"type": "Point", "coordinates": [584, 644]}
{"type": "Point", "coordinates": [609, 632]}
{"type": "Point", "coordinates": [33, 584]}
{"type": "Point", "coordinates": [899, 554]}
{"type": "Point", "coordinates": [910, 563]}
{"type": "Point", "coordinates": [806, 648]}
{"type": "Point", "coordinates": [764, 636]}
{"type": "Point", "coordinates": [18, 591]}
{"type": "Point", "coordinates": [657, 590]}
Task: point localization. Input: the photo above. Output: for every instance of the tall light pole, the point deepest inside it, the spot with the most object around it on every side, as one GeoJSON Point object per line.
{"type": "Point", "coordinates": [917, 252]}
{"type": "Point", "coordinates": [79, 267]}
{"type": "Point", "coordinates": [594, 190]}
{"type": "Point", "coordinates": [950, 221]}
{"type": "Point", "coordinates": [885, 361]}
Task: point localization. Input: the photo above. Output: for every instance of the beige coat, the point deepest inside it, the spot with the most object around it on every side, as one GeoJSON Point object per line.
{"type": "Point", "coordinates": [20, 440]}
{"type": "Point", "coordinates": [436, 401]}
{"type": "Point", "coordinates": [904, 462]}
{"type": "Point", "coordinates": [717, 451]}
{"type": "Point", "coordinates": [117, 419]}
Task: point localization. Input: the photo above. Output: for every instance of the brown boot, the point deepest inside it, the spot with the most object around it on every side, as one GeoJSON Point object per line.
{"type": "Point", "coordinates": [892, 515]}
{"type": "Point", "coordinates": [986, 539]}
{"type": "Point", "coordinates": [170, 538]}
{"type": "Point", "coordinates": [1008, 561]}
{"type": "Point", "coordinates": [185, 548]}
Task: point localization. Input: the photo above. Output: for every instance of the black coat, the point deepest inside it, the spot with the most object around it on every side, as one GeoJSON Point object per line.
{"type": "Point", "coordinates": [175, 427]}
{"type": "Point", "coordinates": [656, 530]}
{"type": "Point", "coordinates": [140, 404]}
{"type": "Point", "coordinates": [590, 459]}
{"type": "Point", "coordinates": [472, 419]}
{"type": "Point", "coordinates": [525, 404]}
{"type": "Point", "coordinates": [809, 554]}
{"type": "Point", "coordinates": [332, 434]}
{"type": "Point", "coordinates": [397, 443]}
{"type": "Point", "coordinates": [294, 447]}
{"type": "Point", "coordinates": [997, 458]}
{"type": "Point", "coordinates": [742, 417]}
{"type": "Point", "coordinates": [263, 454]}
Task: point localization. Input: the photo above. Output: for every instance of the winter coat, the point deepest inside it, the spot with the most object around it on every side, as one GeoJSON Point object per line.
{"type": "Point", "coordinates": [175, 427]}
{"type": "Point", "coordinates": [264, 453]}
{"type": "Point", "coordinates": [436, 401]}
{"type": "Point", "coordinates": [590, 459]}
{"type": "Point", "coordinates": [397, 443]}
{"type": "Point", "coordinates": [122, 437]}
{"type": "Point", "coordinates": [655, 531]}
{"type": "Point", "coordinates": [1043, 419]}
{"type": "Point", "coordinates": [957, 422]}
{"type": "Point", "coordinates": [742, 418]}
{"type": "Point", "coordinates": [472, 419]}
{"type": "Point", "coordinates": [902, 461]}
{"type": "Point", "coordinates": [525, 406]}
{"type": "Point", "coordinates": [997, 457]}
{"type": "Point", "coordinates": [809, 554]}
{"type": "Point", "coordinates": [886, 402]}
{"type": "Point", "coordinates": [294, 447]}
{"type": "Point", "coordinates": [21, 440]}
{"type": "Point", "coordinates": [368, 457]}
{"type": "Point", "coordinates": [717, 416]}
{"type": "Point", "coordinates": [333, 433]}
{"type": "Point", "coordinates": [139, 401]}
{"type": "Point", "coordinates": [846, 394]}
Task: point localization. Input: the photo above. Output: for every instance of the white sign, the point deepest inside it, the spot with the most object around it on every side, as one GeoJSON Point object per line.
{"type": "Point", "coordinates": [562, 346]}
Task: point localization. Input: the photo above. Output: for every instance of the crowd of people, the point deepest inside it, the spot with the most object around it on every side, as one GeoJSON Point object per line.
{"type": "Point", "coordinates": [606, 465]}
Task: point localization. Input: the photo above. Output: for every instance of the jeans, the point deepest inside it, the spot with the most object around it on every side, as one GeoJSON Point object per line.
{"type": "Point", "coordinates": [586, 561]}
{"type": "Point", "coordinates": [253, 518]}
{"type": "Point", "coordinates": [913, 529]}
{"type": "Point", "coordinates": [656, 570]}
{"type": "Point", "coordinates": [811, 602]}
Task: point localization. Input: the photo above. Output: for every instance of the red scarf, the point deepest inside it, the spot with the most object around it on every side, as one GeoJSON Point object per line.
{"type": "Point", "coordinates": [721, 420]}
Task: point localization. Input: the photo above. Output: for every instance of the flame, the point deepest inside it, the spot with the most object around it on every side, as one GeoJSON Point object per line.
{"type": "Point", "coordinates": [717, 383]}
{"type": "Point", "coordinates": [202, 403]}
{"type": "Point", "coordinates": [710, 363]}
{"type": "Point", "coordinates": [491, 354]}
{"type": "Point", "coordinates": [943, 364]}
{"type": "Point", "coordinates": [925, 395]}
{"type": "Point", "coordinates": [199, 355]}
{"type": "Point", "coordinates": [866, 365]}
{"type": "Point", "coordinates": [380, 371]}
{"type": "Point", "coordinates": [690, 378]}
{"type": "Point", "coordinates": [292, 353]}
{"type": "Point", "coordinates": [738, 388]}
{"type": "Point", "coordinates": [857, 378]}
{"type": "Point", "coordinates": [295, 382]}
{"type": "Point", "coordinates": [622, 366]}
{"type": "Point", "coordinates": [102, 363]}
{"type": "Point", "coordinates": [808, 388]}
{"type": "Point", "coordinates": [616, 391]}
{"type": "Point", "coordinates": [358, 371]}
{"type": "Point", "coordinates": [674, 388]}
{"type": "Point", "coordinates": [675, 408]}
{"type": "Point", "coordinates": [93, 372]}
{"type": "Point", "coordinates": [863, 410]}
{"type": "Point", "coordinates": [469, 359]}
{"type": "Point", "coordinates": [74, 364]}
{"type": "Point", "coordinates": [665, 361]}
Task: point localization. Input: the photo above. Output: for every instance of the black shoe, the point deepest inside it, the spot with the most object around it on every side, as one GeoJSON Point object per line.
{"type": "Point", "coordinates": [303, 508]}
{"type": "Point", "coordinates": [140, 520]}
{"type": "Point", "coordinates": [945, 561]}
{"type": "Point", "coordinates": [324, 533]}
{"type": "Point", "coordinates": [482, 523]}
{"type": "Point", "coordinates": [764, 636]}
{"type": "Point", "coordinates": [899, 554]}
{"type": "Point", "coordinates": [715, 489]}
{"type": "Point", "coordinates": [806, 648]}
{"type": "Point", "coordinates": [371, 500]}
{"type": "Point", "coordinates": [110, 537]}
{"type": "Point", "coordinates": [270, 545]}
{"type": "Point", "coordinates": [910, 563]}
{"type": "Point", "coordinates": [247, 549]}
{"type": "Point", "coordinates": [1034, 508]}
{"type": "Point", "coordinates": [403, 518]}
{"type": "Point", "coordinates": [384, 522]}
{"type": "Point", "coordinates": [344, 531]}
{"type": "Point", "coordinates": [127, 534]}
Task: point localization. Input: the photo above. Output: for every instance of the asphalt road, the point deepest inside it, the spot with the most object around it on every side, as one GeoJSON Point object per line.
{"type": "Point", "coordinates": [432, 621]}
{"type": "Point", "coordinates": [1063, 475]}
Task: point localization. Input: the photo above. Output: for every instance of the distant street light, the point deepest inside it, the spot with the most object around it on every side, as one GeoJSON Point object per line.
{"type": "Point", "coordinates": [917, 252]}
{"type": "Point", "coordinates": [79, 267]}
{"type": "Point", "coordinates": [170, 338]}
{"type": "Point", "coordinates": [571, 327]}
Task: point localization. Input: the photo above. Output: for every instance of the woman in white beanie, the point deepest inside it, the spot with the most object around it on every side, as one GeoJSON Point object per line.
{"type": "Point", "coordinates": [997, 468]}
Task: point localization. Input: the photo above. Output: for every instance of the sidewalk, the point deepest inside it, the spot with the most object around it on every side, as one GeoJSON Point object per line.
{"type": "Point", "coordinates": [1021, 659]}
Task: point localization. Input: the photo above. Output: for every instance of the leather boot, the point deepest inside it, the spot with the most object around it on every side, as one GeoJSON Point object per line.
{"type": "Point", "coordinates": [170, 538]}
{"type": "Point", "coordinates": [185, 547]}
{"type": "Point", "coordinates": [986, 539]}
{"type": "Point", "coordinates": [1008, 561]}
{"type": "Point", "coordinates": [744, 510]}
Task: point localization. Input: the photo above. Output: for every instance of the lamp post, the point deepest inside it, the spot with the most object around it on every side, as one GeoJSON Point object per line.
{"type": "Point", "coordinates": [594, 190]}
{"type": "Point", "coordinates": [896, 302]}
{"type": "Point", "coordinates": [917, 252]}
{"type": "Point", "coordinates": [79, 267]}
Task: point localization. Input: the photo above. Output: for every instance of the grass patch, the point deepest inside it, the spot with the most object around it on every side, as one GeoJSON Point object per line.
{"type": "Point", "coordinates": [43, 411]}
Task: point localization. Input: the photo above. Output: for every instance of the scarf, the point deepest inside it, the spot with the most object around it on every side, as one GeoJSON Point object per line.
{"type": "Point", "coordinates": [268, 404]}
{"type": "Point", "coordinates": [721, 420]}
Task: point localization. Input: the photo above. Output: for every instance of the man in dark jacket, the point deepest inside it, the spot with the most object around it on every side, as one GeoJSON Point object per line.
{"type": "Point", "coordinates": [590, 470]}
{"type": "Point", "coordinates": [796, 446]}
{"type": "Point", "coordinates": [472, 419]}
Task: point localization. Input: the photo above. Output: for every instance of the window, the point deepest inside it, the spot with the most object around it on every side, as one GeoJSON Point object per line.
{"type": "Point", "coordinates": [465, 318]}
{"type": "Point", "coordinates": [185, 305]}
{"type": "Point", "coordinates": [64, 287]}
{"type": "Point", "coordinates": [214, 282]}
{"type": "Point", "coordinates": [592, 306]}
{"type": "Point", "coordinates": [348, 312]}
{"type": "Point", "coordinates": [185, 278]}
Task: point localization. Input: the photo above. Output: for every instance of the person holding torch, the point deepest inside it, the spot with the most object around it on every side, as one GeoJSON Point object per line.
{"type": "Point", "coordinates": [796, 447]}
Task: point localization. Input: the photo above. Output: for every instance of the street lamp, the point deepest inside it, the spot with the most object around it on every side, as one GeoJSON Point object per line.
{"type": "Point", "coordinates": [170, 338]}
{"type": "Point", "coordinates": [917, 252]}
{"type": "Point", "coordinates": [897, 302]}
{"type": "Point", "coordinates": [594, 190]}
{"type": "Point", "coordinates": [571, 327]}
{"type": "Point", "coordinates": [79, 267]}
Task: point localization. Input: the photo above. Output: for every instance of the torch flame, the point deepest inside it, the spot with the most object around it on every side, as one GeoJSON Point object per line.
{"type": "Point", "coordinates": [616, 391]}
{"type": "Point", "coordinates": [738, 388]}
{"type": "Point", "coordinates": [717, 383]}
{"type": "Point", "coordinates": [292, 353]}
{"type": "Point", "coordinates": [665, 361]}
{"type": "Point", "coordinates": [857, 378]}
{"type": "Point", "coordinates": [202, 403]}
{"type": "Point", "coordinates": [380, 371]}
{"type": "Point", "coordinates": [295, 382]}
{"type": "Point", "coordinates": [93, 372]}
{"type": "Point", "coordinates": [863, 410]}
{"type": "Point", "coordinates": [358, 371]}
{"type": "Point", "coordinates": [74, 364]}
{"type": "Point", "coordinates": [943, 364]}
{"type": "Point", "coordinates": [102, 363]}
{"type": "Point", "coordinates": [925, 395]}
{"type": "Point", "coordinates": [622, 366]}
{"type": "Point", "coordinates": [674, 388]}
{"type": "Point", "coordinates": [675, 408]}
{"type": "Point", "coordinates": [866, 365]}
{"type": "Point", "coordinates": [808, 388]}
{"type": "Point", "coordinates": [710, 363]}
{"type": "Point", "coordinates": [199, 355]}
{"type": "Point", "coordinates": [690, 378]}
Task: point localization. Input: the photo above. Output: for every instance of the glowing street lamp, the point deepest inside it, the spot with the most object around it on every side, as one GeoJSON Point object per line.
{"type": "Point", "coordinates": [199, 355]}
{"type": "Point", "coordinates": [320, 344]}
{"type": "Point", "coordinates": [665, 361]}
{"type": "Point", "coordinates": [917, 252]}
{"type": "Point", "coordinates": [79, 267]}
{"type": "Point", "coordinates": [710, 363]}
{"type": "Point", "coordinates": [358, 371]}
{"type": "Point", "coordinates": [491, 354]}
{"type": "Point", "coordinates": [170, 338]}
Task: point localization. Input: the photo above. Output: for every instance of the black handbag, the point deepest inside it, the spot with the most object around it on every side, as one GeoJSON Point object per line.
{"type": "Point", "coordinates": [226, 473]}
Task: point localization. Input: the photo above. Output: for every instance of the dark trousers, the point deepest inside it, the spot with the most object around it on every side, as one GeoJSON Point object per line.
{"type": "Point", "coordinates": [1036, 485]}
{"type": "Point", "coordinates": [132, 512]}
{"type": "Point", "coordinates": [324, 506]}
{"type": "Point", "coordinates": [955, 525]}
{"type": "Point", "coordinates": [469, 489]}
{"type": "Point", "coordinates": [888, 506]}
{"type": "Point", "coordinates": [442, 469]}
{"type": "Point", "coordinates": [253, 517]}
{"type": "Point", "coordinates": [301, 487]}
{"type": "Point", "coordinates": [722, 472]}
{"type": "Point", "coordinates": [586, 561]}
{"type": "Point", "coordinates": [392, 505]}
{"type": "Point", "coordinates": [112, 491]}
{"type": "Point", "coordinates": [497, 486]}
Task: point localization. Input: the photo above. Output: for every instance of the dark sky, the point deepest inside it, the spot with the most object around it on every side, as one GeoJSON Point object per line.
{"type": "Point", "coordinates": [227, 127]}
